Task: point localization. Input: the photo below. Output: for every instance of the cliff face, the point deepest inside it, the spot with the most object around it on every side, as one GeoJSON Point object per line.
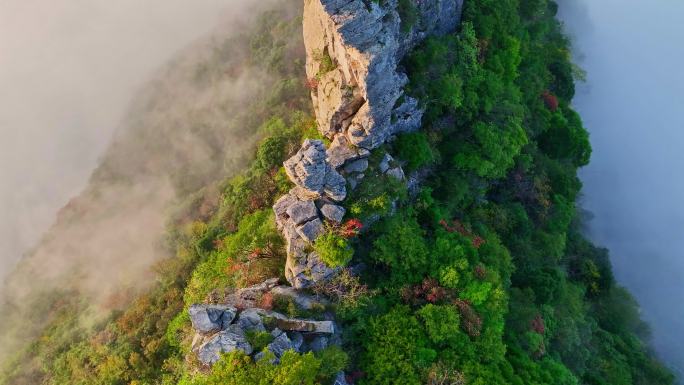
{"type": "Point", "coordinates": [353, 50]}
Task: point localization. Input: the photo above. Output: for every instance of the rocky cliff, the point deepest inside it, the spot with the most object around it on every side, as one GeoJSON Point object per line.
{"type": "Point", "coordinates": [353, 50]}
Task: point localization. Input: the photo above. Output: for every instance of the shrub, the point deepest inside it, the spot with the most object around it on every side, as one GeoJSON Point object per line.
{"type": "Point", "coordinates": [393, 344]}
{"type": "Point", "coordinates": [441, 322]}
{"type": "Point", "coordinates": [401, 246]}
{"type": "Point", "coordinates": [414, 148]}
{"type": "Point", "coordinates": [259, 339]}
{"type": "Point", "coordinates": [270, 153]}
{"type": "Point", "coordinates": [333, 360]}
{"type": "Point", "coordinates": [333, 249]}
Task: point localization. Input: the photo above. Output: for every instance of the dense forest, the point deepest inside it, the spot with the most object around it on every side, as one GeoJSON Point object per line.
{"type": "Point", "coordinates": [479, 274]}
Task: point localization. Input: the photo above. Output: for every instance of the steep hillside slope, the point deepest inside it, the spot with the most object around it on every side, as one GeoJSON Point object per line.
{"type": "Point", "coordinates": [433, 187]}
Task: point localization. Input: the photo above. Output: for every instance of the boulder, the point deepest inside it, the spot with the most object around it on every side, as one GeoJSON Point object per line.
{"type": "Point", "coordinates": [396, 172]}
{"type": "Point", "coordinates": [207, 319]}
{"type": "Point", "coordinates": [297, 340]}
{"type": "Point", "coordinates": [307, 168]}
{"type": "Point", "coordinates": [281, 343]}
{"type": "Point", "coordinates": [342, 151]}
{"type": "Point", "coordinates": [250, 320]}
{"type": "Point", "coordinates": [311, 230]}
{"type": "Point", "coordinates": [301, 212]}
{"type": "Point", "coordinates": [318, 343]}
{"type": "Point", "coordinates": [360, 165]}
{"type": "Point", "coordinates": [335, 185]}
{"type": "Point", "coordinates": [385, 163]}
{"type": "Point", "coordinates": [333, 213]}
{"type": "Point", "coordinates": [225, 341]}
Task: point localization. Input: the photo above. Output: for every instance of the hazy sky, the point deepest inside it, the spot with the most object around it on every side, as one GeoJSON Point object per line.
{"type": "Point", "coordinates": [68, 69]}
{"type": "Point", "coordinates": [633, 106]}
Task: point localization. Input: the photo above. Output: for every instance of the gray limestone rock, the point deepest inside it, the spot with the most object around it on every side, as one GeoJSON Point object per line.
{"type": "Point", "coordinates": [280, 344]}
{"type": "Point", "coordinates": [307, 326]}
{"type": "Point", "coordinates": [318, 343]}
{"type": "Point", "coordinates": [333, 213]}
{"type": "Point", "coordinates": [301, 212]}
{"type": "Point", "coordinates": [225, 341]}
{"type": "Point", "coordinates": [396, 172]}
{"type": "Point", "coordinates": [385, 163]}
{"type": "Point", "coordinates": [297, 340]}
{"type": "Point", "coordinates": [207, 319]}
{"type": "Point", "coordinates": [251, 320]}
{"type": "Point", "coordinates": [311, 230]}
{"type": "Point", "coordinates": [307, 168]}
{"type": "Point", "coordinates": [340, 379]}
{"type": "Point", "coordinates": [365, 41]}
{"type": "Point", "coordinates": [335, 185]}
{"type": "Point", "coordinates": [341, 151]}
{"type": "Point", "coordinates": [360, 165]}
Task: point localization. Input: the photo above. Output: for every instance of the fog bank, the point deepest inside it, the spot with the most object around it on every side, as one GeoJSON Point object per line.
{"type": "Point", "coordinates": [68, 70]}
{"type": "Point", "coordinates": [632, 105]}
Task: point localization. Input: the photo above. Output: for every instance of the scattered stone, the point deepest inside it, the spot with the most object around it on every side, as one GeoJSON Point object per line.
{"type": "Point", "coordinates": [249, 297]}
{"type": "Point", "coordinates": [301, 212]}
{"type": "Point", "coordinates": [311, 230]}
{"type": "Point", "coordinates": [333, 213]}
{"type": "Point", "coordinates": [340, 379]}
{"type": "Point", "coordinates": [207, 319]}
{"type": "Point", "coordinates": [396, 172]}
{"type": "Point", "coordinates": [250, 320]}
{"type": "Point", "coordinates": [385, 163]}
{"type": "Point", "coordinates": [318, 343]}
{"type": "Point", "coordinates": [297, 340]}
{"type": "Point", "coordinates": [360, 165]}
{"type": "Point", "coordinates": [233, 338]}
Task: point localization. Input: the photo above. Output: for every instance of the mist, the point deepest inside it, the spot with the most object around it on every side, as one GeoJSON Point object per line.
{"type": "Point", "coordinates": [632, 106]}
{"type": "Point", "coordinates": [68, 70]}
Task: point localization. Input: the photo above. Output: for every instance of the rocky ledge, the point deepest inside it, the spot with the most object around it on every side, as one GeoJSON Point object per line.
{"type": "Point", "coordinates": [225, 327]}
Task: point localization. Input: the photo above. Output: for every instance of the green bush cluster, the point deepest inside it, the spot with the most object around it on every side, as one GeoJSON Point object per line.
{"type": "Point", "coordinates": [333, 249]}
{"type": "Point", "coordinates": [483, 277]}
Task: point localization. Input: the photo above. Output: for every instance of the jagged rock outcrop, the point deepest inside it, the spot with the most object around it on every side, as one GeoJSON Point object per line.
{"type": "Point", "coordinates": [224, 327]}
{"type": "Point", "coordinates": [298, 334]}
{"type": "Point", "coordinates": [353, 49]}
{"type": "Point", "coordinates": [207, 319]}
{"type": "Point", "coordinates": [300, 215]}
{"type": "Point", "coordinates": [230, 339]}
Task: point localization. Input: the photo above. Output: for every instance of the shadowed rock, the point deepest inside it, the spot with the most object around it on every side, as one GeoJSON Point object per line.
{"type": "Point", "coordinates": [207, 319]}
{"type": "Point", "coordinates": [225, 341]}
{"type": "Point", "coordinates": [333, 213]}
